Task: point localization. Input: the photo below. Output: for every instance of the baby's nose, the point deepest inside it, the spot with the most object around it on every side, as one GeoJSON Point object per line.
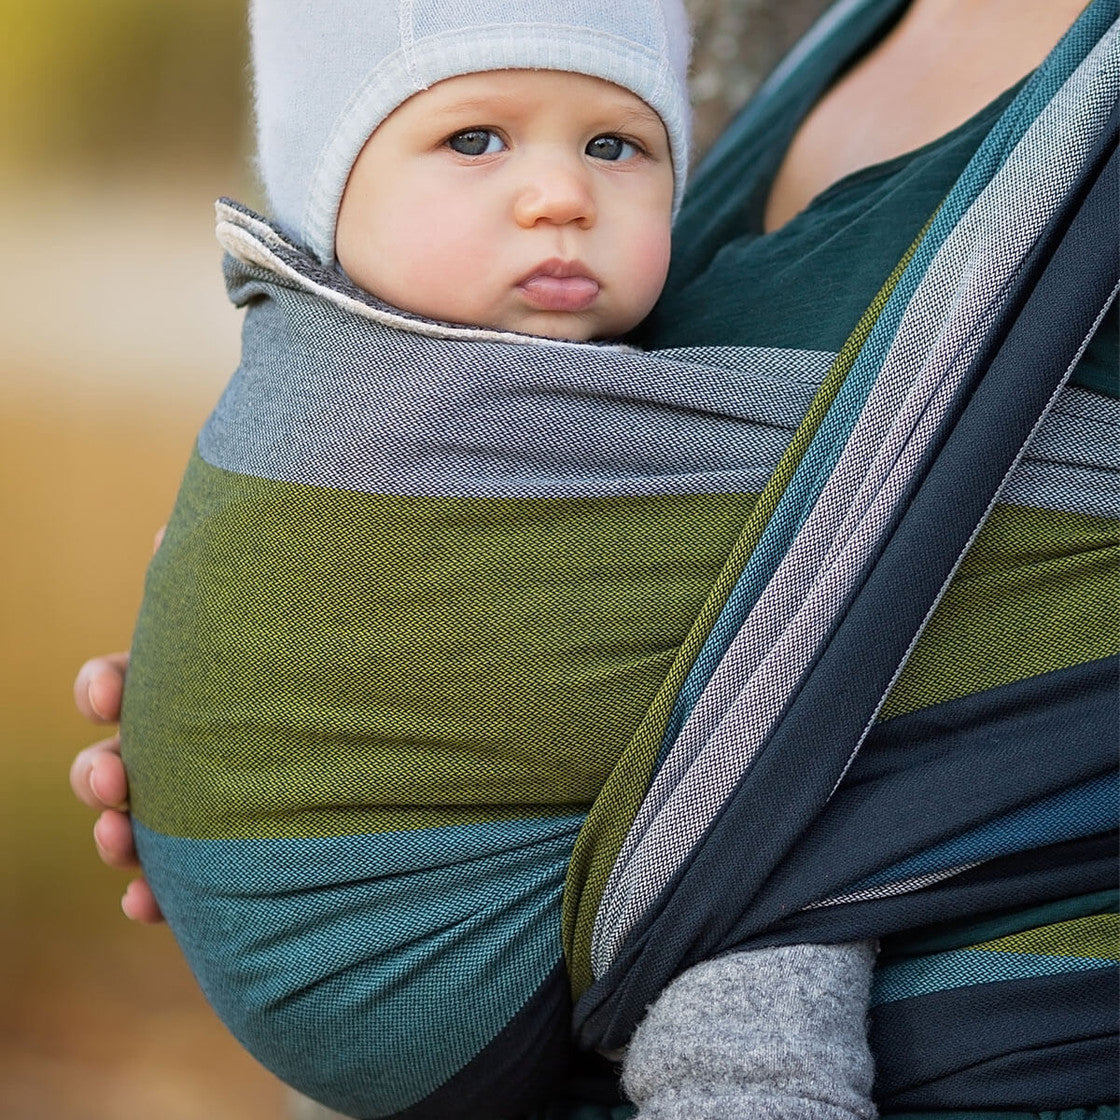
{"type": "Point", "coordinates": [556, 192]}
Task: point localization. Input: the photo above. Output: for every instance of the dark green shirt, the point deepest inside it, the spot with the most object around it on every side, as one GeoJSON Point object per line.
{"type": "Point", "coordinates": [806, 285]}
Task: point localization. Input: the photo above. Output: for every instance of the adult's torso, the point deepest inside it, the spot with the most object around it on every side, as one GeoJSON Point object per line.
{"type": "Point", "coordinates": [928, 73]}
{"type": "Point", "coordinates": [805, 284]}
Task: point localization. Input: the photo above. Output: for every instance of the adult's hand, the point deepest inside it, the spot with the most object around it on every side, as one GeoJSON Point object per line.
{"type": "Point", "coordinates": [98, 779]}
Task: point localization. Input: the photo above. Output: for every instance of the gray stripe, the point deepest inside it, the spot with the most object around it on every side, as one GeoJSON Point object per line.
{"type": "Point", "coordinates": [1073, 462]}
{"type": "Point", "coordinates": [377, 424]}
{"type": "Point", "coordinates": [331, 428]}
{"type": "Point", "coordinates": [328, 399]}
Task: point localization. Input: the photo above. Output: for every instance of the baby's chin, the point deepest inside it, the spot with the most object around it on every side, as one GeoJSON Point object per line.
{"type": "Point", "coordinates": [595, 324]}
{"type": "Point", "coordinates": [568, 326]}
{"type": "Point", "coordinates": [563, 332]}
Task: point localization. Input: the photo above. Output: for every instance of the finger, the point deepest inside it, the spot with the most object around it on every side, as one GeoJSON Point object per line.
{"type": "Point", "coordinates": [140, 904]}
{"type": "Point", "coordinates": [113, 836]}
{"type": "Point", "coordinates": [108, 780]}
{"type": "Point", "coordinates": [98, 687]}
{"type": "Point", "coordinates": [97, 776]}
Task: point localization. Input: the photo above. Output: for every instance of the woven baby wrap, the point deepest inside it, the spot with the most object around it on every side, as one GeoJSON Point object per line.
{"type": "Point", "coordinates": [419, 588]}
{"type": "Point", "coordinates": [454, 632]}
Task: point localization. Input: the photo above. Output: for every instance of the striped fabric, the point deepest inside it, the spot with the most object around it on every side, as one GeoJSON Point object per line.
{"type": "Point", "coordinates": [413, 600]}
{"type": "Point", "coordinates": [1084, 944]}
{"type": "Point", "coordinates": [1038, 991]}
{"type": "Point", "coordinates": [479, 673]}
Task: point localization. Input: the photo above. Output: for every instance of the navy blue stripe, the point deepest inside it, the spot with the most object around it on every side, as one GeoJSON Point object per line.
{"type": "Point", "coordinates": [524, 1066]}
{"type": "Point", "coordinates": [1044, 1043]}
{"type": "Point", "coordinates": [990, 733]}
{"type": "Point", "coordinates": [930, 775]}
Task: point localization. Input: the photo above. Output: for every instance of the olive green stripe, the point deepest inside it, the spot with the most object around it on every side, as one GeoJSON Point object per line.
{"type": "Point", "coordinates": [1039, 590]}
{"type": "Point", "coordinates": [1096, 937]}
{"type": "Point", "coordinates": [310, 662]}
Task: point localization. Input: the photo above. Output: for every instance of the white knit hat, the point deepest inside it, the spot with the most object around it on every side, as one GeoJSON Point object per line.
{"type": "Point", "coordinates": [329, 71]}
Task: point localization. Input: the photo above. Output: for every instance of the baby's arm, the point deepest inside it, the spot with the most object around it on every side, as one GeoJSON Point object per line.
{"type": "Point", "coordinates": [762, 1034]}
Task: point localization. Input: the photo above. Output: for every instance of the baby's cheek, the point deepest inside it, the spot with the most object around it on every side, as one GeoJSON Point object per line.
{"type": "Point", "coordinates": [649, 255]}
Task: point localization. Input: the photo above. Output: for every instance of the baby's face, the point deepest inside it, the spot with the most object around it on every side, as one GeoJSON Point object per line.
{"type": "Point", "coordinates": [533, 201]}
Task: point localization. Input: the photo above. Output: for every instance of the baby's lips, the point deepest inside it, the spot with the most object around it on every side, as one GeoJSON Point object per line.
{"type": "Point", "coordinates": [560, 293]}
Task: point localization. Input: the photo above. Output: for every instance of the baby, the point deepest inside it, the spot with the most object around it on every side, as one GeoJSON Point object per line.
{"type": "Point", "coordinates": [388, 654]}
{"type": "Point", "coordinates": [494, 165]}
{"type": "Point", "coordinates": [349, 838]}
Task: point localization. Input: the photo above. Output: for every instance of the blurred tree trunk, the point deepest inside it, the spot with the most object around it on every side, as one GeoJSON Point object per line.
{"type": "Point", "coordinates": [736, 43]}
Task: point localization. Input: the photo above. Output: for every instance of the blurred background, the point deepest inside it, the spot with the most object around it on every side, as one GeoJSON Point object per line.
{"type": "Point", "coordinates": [120, 123]}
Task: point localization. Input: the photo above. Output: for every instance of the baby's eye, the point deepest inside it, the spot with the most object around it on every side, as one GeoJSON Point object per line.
{"type": "Point", "coordinates": [611, 147]}
{"type": "Point", "coordinates": [476, 142]}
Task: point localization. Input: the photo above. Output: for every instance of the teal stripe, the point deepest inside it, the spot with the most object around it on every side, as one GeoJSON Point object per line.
{"type": "Point", "coordinates": [337, 960]}
{"type": "Point", "coordinates": [962, 968]}
{"type": "Point", "coordinates": [1085, 810]}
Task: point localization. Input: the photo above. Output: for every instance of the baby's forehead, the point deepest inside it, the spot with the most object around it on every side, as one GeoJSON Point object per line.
{"type": "Point", "coordinates": [523, 91]}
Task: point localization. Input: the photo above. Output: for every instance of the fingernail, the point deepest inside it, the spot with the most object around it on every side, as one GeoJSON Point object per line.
{"type": "Point", "coordinates": [94, 784]}
{"type": "Point", "coordinates": [93, 702]}
{"type": "Point", "coordinates": [126, 901]}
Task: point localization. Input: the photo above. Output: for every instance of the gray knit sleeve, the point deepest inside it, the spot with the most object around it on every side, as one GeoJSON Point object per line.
{"type": "Point", "coordinates": [763, 1034]}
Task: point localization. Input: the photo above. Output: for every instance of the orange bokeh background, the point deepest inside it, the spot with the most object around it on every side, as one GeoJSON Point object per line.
{"type": "Point", "coordinates": [121, 121]}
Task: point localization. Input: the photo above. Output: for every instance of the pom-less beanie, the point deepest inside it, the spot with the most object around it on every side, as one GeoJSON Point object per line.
{"type": "Point", "coordinates": [327, 72]}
